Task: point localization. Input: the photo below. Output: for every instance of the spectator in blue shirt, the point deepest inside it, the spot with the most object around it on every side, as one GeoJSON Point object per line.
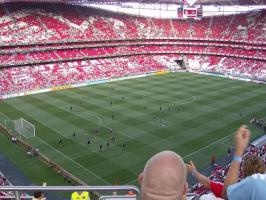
{"type": "Point", "coordinates": [252, 187]}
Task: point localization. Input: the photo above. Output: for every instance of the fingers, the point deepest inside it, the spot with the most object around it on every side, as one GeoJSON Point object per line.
{"type": "Point", "coordinates": [243, 129]}
{"type": "Point", "coordinates": [190, 167]}
{"type": "Point", "coordinates": [192, 164]}
{"type": "Point", "coordinates": [244, 132]}
{"type": "Point", "coordinates": [242, 139]}
{"type": "Point", "coordinates": [244, 126]}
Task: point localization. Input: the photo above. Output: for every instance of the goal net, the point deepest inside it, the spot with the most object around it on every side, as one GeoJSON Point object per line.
{"type": "Point", "coordinates": [24, 128]}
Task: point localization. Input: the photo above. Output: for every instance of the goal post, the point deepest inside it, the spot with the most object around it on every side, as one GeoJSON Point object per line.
{"type": "Point", "coordinates": [24, 128]}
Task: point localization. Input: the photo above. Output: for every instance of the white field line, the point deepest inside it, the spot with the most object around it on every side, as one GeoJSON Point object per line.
{"type": "Point", "coordinates": [207, 146]}
{"type": "Point", "coordinates": [188, 102]}
{"type": "Point", "coordinates": [76, 113]}
{"type": "Point", "coordinates": [69, 157]}
{"type": "Point", "coordinates": [80, 166]}
{"type": "Point", "coordinates": [44, 124]}
{"type": "Point", "coordinates": [130, 182]}
{"type": "Point", "coordinates": [64, 155]}
{"type": "Point", "coordinates": [98, 117]}
{"type": "Point", "coordinates": [125, 135]}
{"type": "Point", "coordinates": [100, 121]}
{"type": "Point", "coordinates": [193, 152]}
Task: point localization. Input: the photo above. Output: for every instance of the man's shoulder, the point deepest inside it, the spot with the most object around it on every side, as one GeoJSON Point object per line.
{"type": "Point", "coordinates": [256, 180]}
{"type": "Point", "coordinates": [258, 177]}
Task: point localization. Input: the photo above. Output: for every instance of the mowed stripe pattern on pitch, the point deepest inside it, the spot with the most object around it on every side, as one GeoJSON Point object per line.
{"type": "Point", "coordinates": [196, 110]}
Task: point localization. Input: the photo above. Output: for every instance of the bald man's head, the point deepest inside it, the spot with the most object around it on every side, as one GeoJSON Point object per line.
{"type": "Point", "coordinates": [164, 177]}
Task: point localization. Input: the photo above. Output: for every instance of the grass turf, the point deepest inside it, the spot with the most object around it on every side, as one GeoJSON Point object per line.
{"type": "Point", "coordinates": [198, 117]}
{"type": "Point", "coordinates": [34, 169]}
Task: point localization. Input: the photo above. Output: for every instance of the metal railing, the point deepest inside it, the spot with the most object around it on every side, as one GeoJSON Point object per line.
{"type": "Point", "coordinates": [99, 189]}
{"type": "Point", "coordinates": [116, 197]}
{"type": "Point", "coordinates": [9, 197]}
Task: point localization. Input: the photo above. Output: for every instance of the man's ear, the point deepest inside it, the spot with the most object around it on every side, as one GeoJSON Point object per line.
{"type": "Point", "coordinates": [185, 188]}
{"type": "Point", "coordinates": [140, 178]}
{"type": "Point", "coordinates": [184, 196]}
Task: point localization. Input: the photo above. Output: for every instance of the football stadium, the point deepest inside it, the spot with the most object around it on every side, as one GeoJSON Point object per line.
{"type": "Point", "coordinates": [130, 100]}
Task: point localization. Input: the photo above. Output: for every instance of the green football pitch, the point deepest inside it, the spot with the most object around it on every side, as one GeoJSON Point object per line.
{"type": "Point", "coordinates": [193, 115]}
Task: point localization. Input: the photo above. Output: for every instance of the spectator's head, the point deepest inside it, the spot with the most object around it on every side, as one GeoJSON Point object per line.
{"type": "Point", "coordinates": [164, 177]}
{"type": "Point", "coordinates": [253, 165]}
{"type": "Point", "coordinates": [38, 195]}
{"type": "Point", "coordinates": [209, 197]}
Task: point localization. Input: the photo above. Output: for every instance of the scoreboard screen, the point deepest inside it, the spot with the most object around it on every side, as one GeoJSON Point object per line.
{"type": "Point", "coordinates": [189, 12]}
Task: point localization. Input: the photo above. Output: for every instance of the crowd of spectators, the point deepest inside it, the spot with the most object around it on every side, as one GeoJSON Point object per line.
{"type": "Point", "coordinates": [45, 24]}
{"type": "Point", "coordinates": [253, 69]}
{"type": "Point", "coordinates": [21, 79]}
{"type": "Point", "coordinates": [164, 176]}
{"type": "Point", "coordinates": [254, 161]}
{"type": "Point", "coordinates": [31, 23]}
{"type": "Point", "coordinates": [8, 195]}
{"type": "Point", "coordinates": [28, 78]}
{"type": "Point", "coordinates": [4, 182]}
{"type": "Point", "coordinates": [34, 56]}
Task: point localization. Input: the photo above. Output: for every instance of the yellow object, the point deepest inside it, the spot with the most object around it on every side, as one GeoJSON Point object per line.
{"type": "Point", "coordinates": [80, 196]}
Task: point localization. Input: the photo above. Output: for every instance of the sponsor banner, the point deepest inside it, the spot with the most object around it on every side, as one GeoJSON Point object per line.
{"type": "Point", "coordinates": [12, 95]}
{"type": "Point", "coordinates": [2, 97]}
{"type": "Point", "coordinates": [36, 91]}
{"type": "Point", "coordinates": [64, 87]}
{"type": "Point", "coordinates": [72, 86]}
{"type": "Point", "coordinates": [161, 72]}
{"type": "Point", "coordinates": [231, 77]}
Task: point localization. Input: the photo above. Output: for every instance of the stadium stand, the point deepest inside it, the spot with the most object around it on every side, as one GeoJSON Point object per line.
{"type": "Point", "coordinates": [46, 25]}
{"type": "Point", "coordinates": [219, 173]}
{"type": "Point", "coordinates": [230, 66]}
{"type": "Point", "coordinates": [4, 182]}
{"type": "Point", "coordinates": [31, 63]}
{"type": "Point", "coordinates": [44, 46]}
{"type": "Point", "coordinates": [18, 79]}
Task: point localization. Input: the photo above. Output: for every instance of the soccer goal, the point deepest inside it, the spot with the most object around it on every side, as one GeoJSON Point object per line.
{"type": "Point", "coordinates": [24, 128]}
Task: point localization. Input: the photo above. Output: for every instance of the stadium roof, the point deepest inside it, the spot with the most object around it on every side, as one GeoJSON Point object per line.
{"type": "Point", "coordinates": [232, 2]}
{"type": "Point", "coordinates": [204, 2]}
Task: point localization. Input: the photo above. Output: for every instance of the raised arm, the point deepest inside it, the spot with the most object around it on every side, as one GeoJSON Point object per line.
{"type": "Point", "coordinates": [241, 141]}
{"type": "Point", "coordinates": [191, 169]}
